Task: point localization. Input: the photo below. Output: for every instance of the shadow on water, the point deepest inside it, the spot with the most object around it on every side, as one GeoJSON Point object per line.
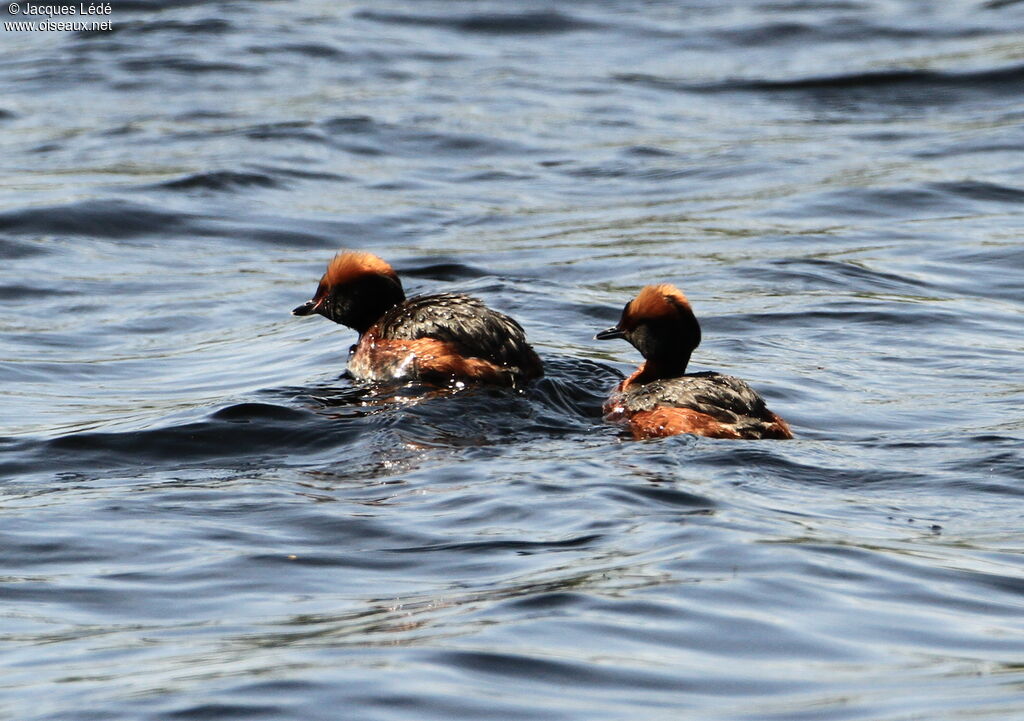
{"type": "Point", "coordinates": [910, 88]}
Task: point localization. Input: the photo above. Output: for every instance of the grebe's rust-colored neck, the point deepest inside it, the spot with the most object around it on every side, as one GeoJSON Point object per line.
{"type": "Point", "coordinates": [653, 370]}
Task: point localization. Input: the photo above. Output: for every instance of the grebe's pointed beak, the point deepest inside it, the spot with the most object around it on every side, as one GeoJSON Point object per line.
{"type": "Point", "coordinates": [610, 334]}
{"type": "Point", "coordinates": [308, 308]}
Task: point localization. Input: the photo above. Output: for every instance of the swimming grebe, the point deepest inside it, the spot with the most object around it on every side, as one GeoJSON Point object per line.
{"type": "Point", "coordinates": [441, 338]}
{"type": "Point", "coordinates": [661, 398]}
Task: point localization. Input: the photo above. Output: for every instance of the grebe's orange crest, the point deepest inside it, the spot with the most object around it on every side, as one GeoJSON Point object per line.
{"type": "Point", "coordinates": [347, 266]}
{"type": "Point", "coordinates": [654, 302]}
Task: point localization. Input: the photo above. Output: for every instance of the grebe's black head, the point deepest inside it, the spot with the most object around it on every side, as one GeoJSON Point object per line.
{"type": "Point", "coordinates": [660, 324]}
{"type": "Point", "coordinates": [356, 290]}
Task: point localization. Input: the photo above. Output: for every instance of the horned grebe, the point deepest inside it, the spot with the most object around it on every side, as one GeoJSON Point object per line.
{"type": "Point", "coordinates": [441, 338]}
{"type": "Point", "coordinates": [661, 398]}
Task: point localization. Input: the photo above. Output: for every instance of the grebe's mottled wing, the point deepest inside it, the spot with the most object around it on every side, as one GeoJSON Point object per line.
{"type": "Point", "coordinates": [464, 321]}
{"type": "Point", "coordinates": [725, 398]}
{"type": "Point", "coordinates": [705, 404]}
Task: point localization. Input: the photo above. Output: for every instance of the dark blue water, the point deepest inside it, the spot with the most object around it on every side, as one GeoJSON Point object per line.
{"type": "Point", "coordinates": [202, 518]}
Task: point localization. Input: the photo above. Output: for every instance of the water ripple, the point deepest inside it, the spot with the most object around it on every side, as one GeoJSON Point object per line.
{"type": "Point", "coordinates": [202, 516]}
